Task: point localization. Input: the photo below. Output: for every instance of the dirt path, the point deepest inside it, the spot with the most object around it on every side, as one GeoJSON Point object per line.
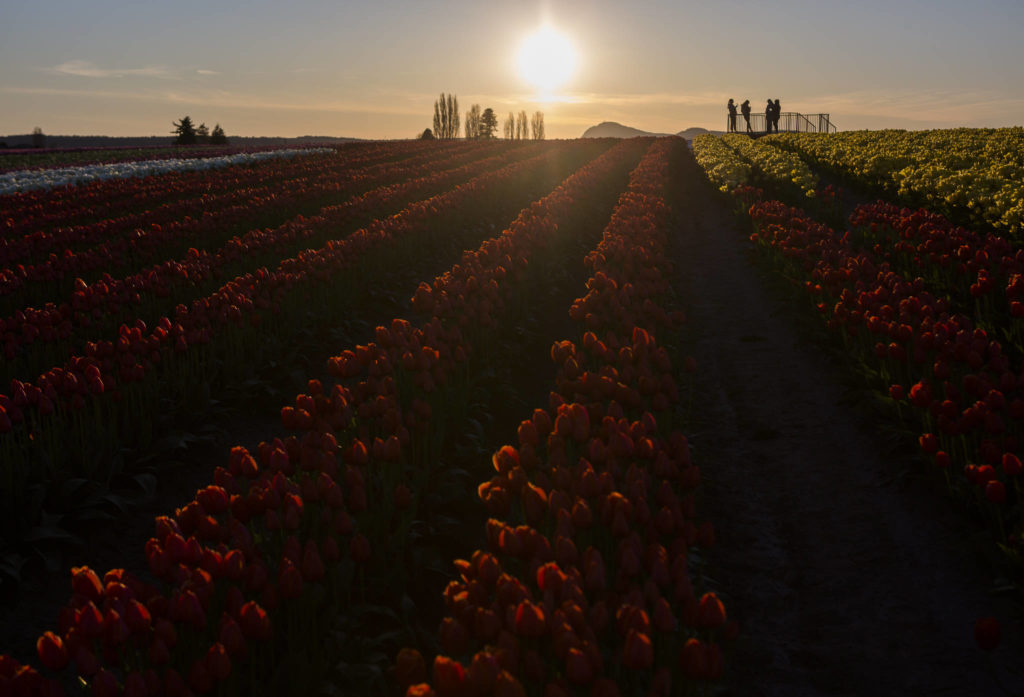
{"type": "Point", "coordinates": [846, 578]}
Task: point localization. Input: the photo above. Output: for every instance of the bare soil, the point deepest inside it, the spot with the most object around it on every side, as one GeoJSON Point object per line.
{"type": "Point", "coordinates": [849, 571]}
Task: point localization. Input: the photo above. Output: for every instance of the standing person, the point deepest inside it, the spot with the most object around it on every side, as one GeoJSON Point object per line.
{"type": "Point", "coordinates": [777, 109]}
{"type": "Point", "coordinates": [732, 117]}
{"type": "Point", "coordinates": [745, 110]}
{"type": "Point", "coordinates": [769, 116]}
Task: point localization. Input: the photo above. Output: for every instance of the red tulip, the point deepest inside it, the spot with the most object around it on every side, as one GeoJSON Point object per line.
{"type": "Point", "coordinates": [529, 620]}
{"type": "Point", "coordinates": [254, 621]}
{"type": "Point", "coordinates": [52, 653]}
{"type": "Point", "coordinates": [638, 652]}
{"type": "Point", "coordinates": [995, 491]}
{"type": "Point", "coordinates": [987, 633]}
{"type": "Point", "coordinates": [218, 664]}
{"type": "Point", "coordinates": [449, 677]}
{"type": "Point", "coordinates": [86, 584]}
{"type": "Point", "coordinates": [710, 612]}
{"type": "Point", "coordinates": [359, 548]}
{"type": "Point", "coordinates": [409, 668]}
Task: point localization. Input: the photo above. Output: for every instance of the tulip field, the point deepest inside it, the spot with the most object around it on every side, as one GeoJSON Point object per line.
{"type": "Point", "coordinates": [370, 542]}
{"type": "Point", "coordinates": [483, 482]}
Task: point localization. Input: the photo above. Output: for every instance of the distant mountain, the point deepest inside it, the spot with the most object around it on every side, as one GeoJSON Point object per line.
{"type": "Point", "coordinates": [691, 133]}
{"type": "Point", "coordinates": [610, 129]}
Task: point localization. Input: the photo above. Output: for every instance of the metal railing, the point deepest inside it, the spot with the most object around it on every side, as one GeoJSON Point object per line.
{"type": "Point", "coordinates": [790, 121]}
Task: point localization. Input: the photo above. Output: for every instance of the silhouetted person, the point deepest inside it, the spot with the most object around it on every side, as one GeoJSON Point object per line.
{"type": "Point", "coordinates": [745, 110]}
{"type": "Point", "coordinates": [769, 114]}
{"type": "Point", "coordinates": [732, 117]}
{"type": "Point", "coordinates": [777, 109]}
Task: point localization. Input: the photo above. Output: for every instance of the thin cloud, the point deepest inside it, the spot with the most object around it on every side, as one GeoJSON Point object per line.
{"type": "Point", "coordinates": [202, 71]}
{"type": "Point", "coordinates": [82, 68]}
{"type": "Point", "coordinates": [221, 99]}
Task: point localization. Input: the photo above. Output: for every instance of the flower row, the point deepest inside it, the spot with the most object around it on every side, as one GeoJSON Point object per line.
{"type": "Point", "coordinates": [155, 289]}
{"type": "Point", "coordinates": [111, 244]}
{"type": "Point", "coordinates": [978, 272]}
{"type": "Point", "coordinates": [78, 418]}
{"type": "Point", "coordinates": [960, 386]}
{"type": "Point", "coordinates": [27, 180]}
{"type": "Point", "coordinates": [973, 175]}
{"type": "Point", "coordinates": [33, 211]}
{"type": "Point", "coordinates": [13, 159]}
{"type": "Point", "coordinates": [776, 166]}
{"type": "Point", "coordinates": [249, 565]}
{"type": "Point", "coordinates": [585, 586]}
{"type": "Point", "coordinates": [723, 165]}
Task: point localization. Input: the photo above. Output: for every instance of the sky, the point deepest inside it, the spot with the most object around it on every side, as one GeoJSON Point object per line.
{"type": "Point", "coordinates": [374, 69]}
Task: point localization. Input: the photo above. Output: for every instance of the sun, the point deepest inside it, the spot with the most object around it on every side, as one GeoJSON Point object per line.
{"type": "Point", "coordinates": [547, 59]}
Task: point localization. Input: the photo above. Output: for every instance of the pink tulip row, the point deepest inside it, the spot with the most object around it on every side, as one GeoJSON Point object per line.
{"type": "Point", "coordinates": [585, 585]}
{"type": "Point", "coordinates": [960, 385]}
{"type": "Point", "coordinates": [105, 302]}
{"type": "Point", "coordinates": [242, 562]}
{"type": "Point", "coordinates": [31, 211]}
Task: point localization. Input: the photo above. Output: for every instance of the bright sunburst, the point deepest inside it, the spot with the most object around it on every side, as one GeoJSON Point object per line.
{"type": "Point", "coordinates": [547, 59]}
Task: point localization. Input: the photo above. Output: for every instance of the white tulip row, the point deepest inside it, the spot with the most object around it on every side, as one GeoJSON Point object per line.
{"type": "Point", "coordinates": [25, 180]}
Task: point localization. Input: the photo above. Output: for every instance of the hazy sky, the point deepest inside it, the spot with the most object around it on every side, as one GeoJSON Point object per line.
{"type": "Point", "coordinates": [374, 69]}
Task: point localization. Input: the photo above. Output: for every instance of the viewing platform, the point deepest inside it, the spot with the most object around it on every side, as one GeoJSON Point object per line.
{"type": "Point", "coordinates": [789, 121]}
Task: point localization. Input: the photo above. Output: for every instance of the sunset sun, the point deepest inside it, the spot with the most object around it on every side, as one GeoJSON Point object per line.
{"type": "Point", "coordinates": [547, 59]}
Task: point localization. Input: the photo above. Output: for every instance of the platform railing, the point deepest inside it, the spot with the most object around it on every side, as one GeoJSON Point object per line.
{"type": "Point", "coordinates": [789, 121]}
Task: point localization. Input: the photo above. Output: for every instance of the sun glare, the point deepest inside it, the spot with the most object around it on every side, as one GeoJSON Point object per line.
{"type": "Point", "coordinates": [547, 59]}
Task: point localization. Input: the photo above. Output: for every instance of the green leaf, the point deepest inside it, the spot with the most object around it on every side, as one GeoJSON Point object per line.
{"type": "Point", "coordinates": [48, 533]}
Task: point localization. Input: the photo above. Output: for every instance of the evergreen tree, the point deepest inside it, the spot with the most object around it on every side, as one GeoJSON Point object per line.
{"type": "Point", "coordinates": [185, 130]}
{"type": "Point", "coordinates": [488, 124]}
{"type": "Point", "coordinates": [217, 137]}
{"type": "Point", "coordinates": [427, 134]}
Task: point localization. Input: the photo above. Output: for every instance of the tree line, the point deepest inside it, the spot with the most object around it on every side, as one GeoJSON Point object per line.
{"type": "Point", "coordinates": [190, 134]}
{"type": "Point", "coordinates": [481, 123]}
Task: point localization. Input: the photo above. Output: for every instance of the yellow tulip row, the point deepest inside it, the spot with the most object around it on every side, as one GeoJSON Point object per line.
{"type": "Point", "coordinates": [724, 167]}
{"type": "Point", "coordinates": [778, 165]}
{"type": "Point", "coordinates": [973, 175]}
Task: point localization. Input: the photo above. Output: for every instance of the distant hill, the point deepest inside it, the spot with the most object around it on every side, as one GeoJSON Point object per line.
{"type": "Point", "coordinates": [53, 141]}
{"type": "Point", "coordinates": [691, 133]}
{"type": "Point", "coordinates": [611, 129]}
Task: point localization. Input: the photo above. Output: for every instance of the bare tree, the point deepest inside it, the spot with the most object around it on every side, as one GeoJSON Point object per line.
{"type": "Point", "coordinates": [510, 126]}
{"type": "Point", "coordinates": [537, 125]}
{"type": "Point", "coordinates": [38, 138]}
{"type": "Point", "coordinates": [453, 115]}
{"type": "Point", "coordinates": [473, 122]}
{"type": "Point", "coordinates": [446, 116]}
{"type": "Point", "coordinates": [522, 126]}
